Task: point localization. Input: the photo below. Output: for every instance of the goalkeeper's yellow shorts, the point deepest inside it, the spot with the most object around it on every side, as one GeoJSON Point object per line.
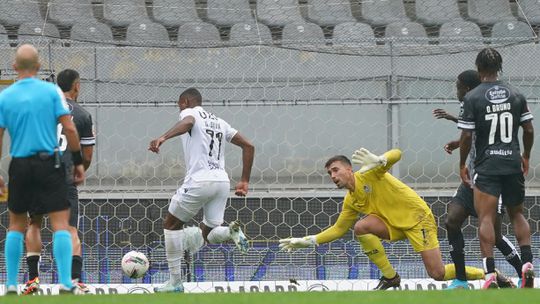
{"type": "Point", "coordinates": [422, 237]}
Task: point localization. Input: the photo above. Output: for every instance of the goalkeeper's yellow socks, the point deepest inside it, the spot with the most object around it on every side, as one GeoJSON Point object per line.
{"type": "Point", "coordinates": [374, 250]}
{"type": "Point", "coordinates": [472, 273]}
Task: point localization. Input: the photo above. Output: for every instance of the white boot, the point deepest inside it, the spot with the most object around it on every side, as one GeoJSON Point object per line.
{"type": "Point", "coordinates": [238, 237]}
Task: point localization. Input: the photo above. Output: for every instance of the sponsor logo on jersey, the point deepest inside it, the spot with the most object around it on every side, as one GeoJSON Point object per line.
{"type": "Point", "coordinates": [500, 152]}
{"type": "Point", "coordinates": [497, 94]}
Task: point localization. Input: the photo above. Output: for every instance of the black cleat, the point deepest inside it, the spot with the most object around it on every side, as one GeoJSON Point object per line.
{"type": "Point", "coordinates": [385, 283]}
{"type": "Point", "coordinates": [503, 281]}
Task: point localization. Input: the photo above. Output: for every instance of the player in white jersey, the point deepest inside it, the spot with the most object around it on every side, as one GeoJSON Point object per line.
{"type": "Point", "coordinates": [206, 184]}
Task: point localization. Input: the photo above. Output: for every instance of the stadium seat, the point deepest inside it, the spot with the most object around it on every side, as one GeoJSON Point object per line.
{"type": "Point", "coordinates": [227, 13]}
{"type": "Point", "coordinates": [383, 12]}
{"type": "Point", "coordinates": [198, 34]}
{"type": "Point", "coordinates": [353, 34]}
{"type": "Point", "coordinates": [489, 11]}
{"type": "Point", "coordinates": [329, 12]}
{"type": "Point", "coordinates": [250, 33]}
{"type": "Point", "coordinates": [123, 12]}
{"type": "Point", "coordinates": [35, 32]}
{"type": "Point", "coordinates": [84, 33]}
{"type": "Point", "coordinates": [69, 12]}
{"type": "Point", "coordinates": [147, 33]}
{"type": "Point", "coordinates": [174, 13]}
{"type": "Point", "coordinates": [302, 34]}
{"type": "Point", "coordinates": [4, 41]}
{"type": "Point", "coordinates": [511, 31]}
{"type": "Point", "coordinates": [278, 12]}
{"type": "Point", "coordinates": [437, 12]}
{"type": "Point", "coordinates": [460, 32]}
{"type": "Point", "coordinates": [531, 8]}
{"type": "Point", "coordinates": [15, 12]}
{"type": "Point", "coordinates": [406, 33]}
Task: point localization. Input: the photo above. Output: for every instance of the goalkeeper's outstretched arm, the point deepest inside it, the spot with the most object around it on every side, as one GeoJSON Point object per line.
{"type": "Point", "coordinates": [392, 157]}
{"type": "Point", "coordinates": [344, 222]}
{"type": "Point", "coordinates": [380, 164]}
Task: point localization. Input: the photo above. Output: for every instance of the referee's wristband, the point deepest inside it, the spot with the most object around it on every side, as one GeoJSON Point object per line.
{"type": "Point", "coordinates": [76, 158]}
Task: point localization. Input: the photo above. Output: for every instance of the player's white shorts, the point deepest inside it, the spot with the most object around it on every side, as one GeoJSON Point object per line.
{"type": "Point", "coordinates": [211, 196]}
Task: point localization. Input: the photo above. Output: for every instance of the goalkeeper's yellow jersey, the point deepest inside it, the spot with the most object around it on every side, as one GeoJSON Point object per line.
{"type": "Point", "coordinates": [378, 192]}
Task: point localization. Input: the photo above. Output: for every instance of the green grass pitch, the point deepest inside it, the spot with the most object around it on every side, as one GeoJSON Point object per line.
{"type": "Point", "coordinates": [369, 297]}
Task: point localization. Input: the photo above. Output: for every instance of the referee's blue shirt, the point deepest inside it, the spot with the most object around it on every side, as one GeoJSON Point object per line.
{"type": "Point", "coordinates": [29, 110]}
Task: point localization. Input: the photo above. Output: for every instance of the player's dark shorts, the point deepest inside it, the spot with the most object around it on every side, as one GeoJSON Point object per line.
{"type": "Point", "coordinates": [510, 187]}
{"type": "Point", "coordinates": [465, 197]}
{"type": "Point", "coordinates": [35, 184]}
{"type": "Point", "coordinates": [73, 200]}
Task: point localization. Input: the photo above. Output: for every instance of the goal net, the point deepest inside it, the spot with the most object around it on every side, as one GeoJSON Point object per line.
{"type": "Point", "coordinates": [303, 80]}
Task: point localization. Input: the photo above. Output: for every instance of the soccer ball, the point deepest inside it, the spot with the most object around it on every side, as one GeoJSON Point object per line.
{"type": "Point", "coordinates": [135, 264]}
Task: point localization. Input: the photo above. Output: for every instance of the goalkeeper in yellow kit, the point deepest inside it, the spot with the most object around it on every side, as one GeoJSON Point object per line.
{"type": "Point", "coordinates": [393, 211]}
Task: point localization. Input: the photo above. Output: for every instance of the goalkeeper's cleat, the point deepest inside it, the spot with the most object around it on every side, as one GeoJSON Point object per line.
{"type": "Point", "coordinates": [238, 237]}
{"type": "Point", "coordinates": [81, 286]}
{"type": "Point", "coordinates": [527, 277]}
{"type": "Point", "coordinates": [458, 284]}
{"type": "Point", "coordinates": [503, 281]}
{"type": "Point", "coordinates": [11, 290]}
{"type": "Point", "coordinates": [385, 283]}
{"type": "Point", "coordinates": [31, 286]}
{"type": "Point", "coordinates": [491, 281]}
{"type": "Point", "coordinates": [170, 288]}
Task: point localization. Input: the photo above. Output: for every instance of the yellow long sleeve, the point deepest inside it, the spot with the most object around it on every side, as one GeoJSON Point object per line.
{"type": "Point", "coordinates": [392, 157]}
{"type": "Point", "coordinates": [345, 221]}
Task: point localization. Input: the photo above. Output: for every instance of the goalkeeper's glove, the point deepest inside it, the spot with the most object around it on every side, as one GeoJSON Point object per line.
{"type": "Point", "coordinates": [367, 160]}
{"type": "Point", "coordinates": [291, 244]}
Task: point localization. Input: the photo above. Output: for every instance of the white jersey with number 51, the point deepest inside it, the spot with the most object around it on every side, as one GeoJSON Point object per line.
{"type": "Point", "coordinates": [204, 146]}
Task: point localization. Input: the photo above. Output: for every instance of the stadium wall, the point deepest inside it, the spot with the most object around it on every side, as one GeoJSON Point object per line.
{"type": "Point", "coordinates": [298, 107]}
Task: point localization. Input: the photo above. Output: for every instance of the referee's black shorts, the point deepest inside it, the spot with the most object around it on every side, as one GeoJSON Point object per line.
{"type": "Point", "coordinates": [35, 184]}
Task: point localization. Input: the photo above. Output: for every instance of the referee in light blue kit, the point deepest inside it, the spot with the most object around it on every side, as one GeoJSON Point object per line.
{"type": "Point", "coordinates": [30, 110]}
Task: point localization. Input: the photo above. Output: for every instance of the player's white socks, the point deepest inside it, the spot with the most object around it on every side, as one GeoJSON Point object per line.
{"type": "Point", "coordinates": [219, 234]}
{"type": "Point", "coordinates": [174, 250]}
{"type": "Point", "coordinates": [193, 239]}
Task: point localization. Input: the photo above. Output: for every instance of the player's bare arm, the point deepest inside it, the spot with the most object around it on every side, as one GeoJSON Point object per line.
{"type": "Point", "coordinates": [442, 114]}
{"type": "Point", "coordinates": [87, 152]}
{"type": "Point", "coordinates": [528, 140]}
{"type": "Point", "coordinates": [464, 148]}
{"type": "Point", "coordinates": [70, 131]}
{"type": "Point", "coordinates": [451, 146]}
{"type": "Point", "coordinates": [179, 128]}
{"type": "Point", "coordinates": [248, 153]}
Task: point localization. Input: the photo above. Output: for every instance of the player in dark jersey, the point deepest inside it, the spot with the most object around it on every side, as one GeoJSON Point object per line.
{"type": "Point", "coordinates": [495, 111]}
{"type": "Point", "coordinates": [69, 82]}
{"type": "Point", "coordinates": [462, 204]}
